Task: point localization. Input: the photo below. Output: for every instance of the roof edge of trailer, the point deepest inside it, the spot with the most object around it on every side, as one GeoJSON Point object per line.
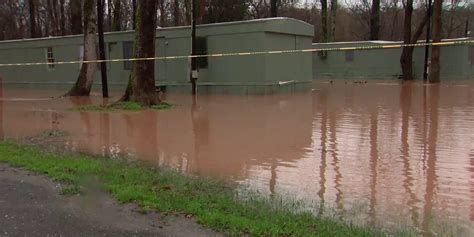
{"type": "Point", "coordinates": [163, 29]}
{"type": "Point", "coordinates": [384, 42]}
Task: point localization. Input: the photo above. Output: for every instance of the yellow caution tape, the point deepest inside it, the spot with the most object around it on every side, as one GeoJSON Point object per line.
{"type": "Point", "coordinates": [389, 46]}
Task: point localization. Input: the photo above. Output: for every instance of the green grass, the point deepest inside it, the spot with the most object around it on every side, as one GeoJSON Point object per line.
{"type": "Point", "coordinates": [212, 203]}
{"type": "Point", "coordinates": [120, 106]}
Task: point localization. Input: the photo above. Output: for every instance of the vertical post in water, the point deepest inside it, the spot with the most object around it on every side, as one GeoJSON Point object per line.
{"type": "Point", "coordinates": [194, 72]}
{"type": "Point", "coordinates": [428, 39]}
{"type": "Point", "coordinates": [103, 66]}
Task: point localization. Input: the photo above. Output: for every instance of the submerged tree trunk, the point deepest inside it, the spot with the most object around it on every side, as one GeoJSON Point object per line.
{"type": "Point", "coordinates": [324, 20]}
{"type": "Point", "coordinates": [273, 8]}
{"type": "Point", "coordinates": [141, 85]}
{"type": "Point", "coordinates": [117, 18]}
{"type": "Point", "coordinates": [32, 10]}
{"type": "Point", "coordinates": [75, 8]}
{"type": "Point", "coordinates": [435, 51]}
{"type": "Point", "coordinates": [86, 76]}
{"type": "Point", "coordinates": [375, 20]}
{"type": "Point", "coordinates": [334, 6]}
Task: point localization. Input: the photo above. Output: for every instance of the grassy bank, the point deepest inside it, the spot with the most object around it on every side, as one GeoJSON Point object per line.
{"type": "Point", "coordinates": [211, 203]}
{"type": "Point", "coordinates": [120, 106]}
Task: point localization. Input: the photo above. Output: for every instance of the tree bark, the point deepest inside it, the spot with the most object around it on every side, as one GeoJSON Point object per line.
{"type": "Point", "coordinates": [176, 13]}
{"type": "Point", "coordinates": [84, 82]}
{"type": "Point", "coordinates": [162, 10]}
{"type": "Point", "coordinates": [117, 18]}
{"type": "Point", "coordinates": [62, 17]}
{"type": "Point", "coordinates": [375, 20]}
{"type": "Point", "coordinates": [273, 8]}
{"type": "Point", "coordinates": [134, 13]}
{"type": "Point", "coordinates": [103, 65]}
{"type": "Point", "coordinates": [55, 21]}
{"type": "Point", "coordinates": [32, 8]}
{"type": "Point", "coordinates": [141, 85]}
{"type": "Point", "coordinates": [407, 52]}
{"type": "Point", "coordinates": [334, 6]}
{"type": "Point", "coordinates": [435, 50]}
{"type": "Point", "coordinates": [76, 16]}
{"type": "Point", "coordinates": [324, 20]}
{"type": "Point", "coordinates": [407, 55]}
{"type": "Point", "coordinates": [109, 15]}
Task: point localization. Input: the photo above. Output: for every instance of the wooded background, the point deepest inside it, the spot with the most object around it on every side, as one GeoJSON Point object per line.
{"type": "Point", "coordinates": [346, 20]}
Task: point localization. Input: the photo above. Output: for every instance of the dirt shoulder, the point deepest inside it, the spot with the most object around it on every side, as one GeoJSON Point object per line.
{"type": "Point", "coordinates": [31, 205]}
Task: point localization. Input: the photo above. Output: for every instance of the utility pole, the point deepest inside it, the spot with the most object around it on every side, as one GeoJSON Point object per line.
{"type": "Point", "coordinates": [194, 72]}
{"type": "Point", "coordinates": [428, 39]}
{"type": "Point", "coordinates": [103, 65]}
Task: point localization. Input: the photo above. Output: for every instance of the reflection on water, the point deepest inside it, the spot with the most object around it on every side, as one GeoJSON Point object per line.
{"type": "Point", "coordinates": [391, 153]}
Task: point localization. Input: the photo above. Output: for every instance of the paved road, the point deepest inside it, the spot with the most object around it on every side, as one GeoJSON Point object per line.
{"type": "Point", "coordinates": [30, 205]}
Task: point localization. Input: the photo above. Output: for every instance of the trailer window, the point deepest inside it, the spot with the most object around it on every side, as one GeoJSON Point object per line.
{"type": "Point", "coordinates": [50, 58]}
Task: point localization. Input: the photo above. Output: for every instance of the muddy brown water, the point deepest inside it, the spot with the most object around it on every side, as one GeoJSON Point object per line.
{"type": "Point", "coordinates": [378, 153]}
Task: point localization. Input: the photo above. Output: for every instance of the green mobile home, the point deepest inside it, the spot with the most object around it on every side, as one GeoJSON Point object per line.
{"type": "Point", "coordinates": [252, 74]}
{"type": "Point", "coordinates": [457, 61]}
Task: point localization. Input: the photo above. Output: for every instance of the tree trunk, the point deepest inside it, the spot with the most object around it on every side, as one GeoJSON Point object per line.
{"type": "Point", "coordinates": [103, 65]}
{"type": "Point", "coordinates": [273, 8]}
{"type": "Point", "coordinates": [31, 8]}
{"type": "Point", "coordinates": [76, 16]}
{"type": "Point", "coordinates": [117, 18]}
{"type": "Point", "coordinates": [435, 50]}
{"type": "Point", "coordinates": [141, 85]}
{"type": "Point", "coordinates": [324, 20]}
{"type": "Point", "coordinates": [55, 16]}
{"type": "Point", "coordinates": [176, 13]}
{"type": "Point", "coordinates": [162, 9]}
{"type": "Point", "coordinates": [187, 7]}
{"type": "Point", "coordinates": [375, 20]}
{"type": "Point", "coordinates": [408, 51]}
{"type": "Point", "coordinates": [202, 12]}
{"type": "Point", "coordinates": [334, 7]}
{"type": "Point", "coordinates": [62, 17]}
{"type": "Point", "coordinates": [407, 54]}
{"type": "Point", "coordinates": [86, 76]}
{"type": "Point", "coordinates": [134, 13]}
{"type": "Point", "coordinates": [109, 15]}
{"type": "Point", "coordinates": [50, 19]}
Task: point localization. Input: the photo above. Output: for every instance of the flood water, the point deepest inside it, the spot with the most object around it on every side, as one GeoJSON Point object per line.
{"type": "Point", "coordinates": [385, 154]}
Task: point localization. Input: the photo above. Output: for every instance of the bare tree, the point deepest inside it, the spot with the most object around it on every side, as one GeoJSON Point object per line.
{"type": "Point", "coordinates": [375, 20]}
{"type": "Point", "coordinates": [84, 82]}
{"type": "Point", "coordinates": [76, 16]}
{"type": "Point", "coordinates": [162, 11]}
{"type": "Point", "coordinates": [406, 59]}
{"type": "Point", "coordinates": [273, 8]}
{"type": "Point", "coordinates": [176, 13]}
{"type": "Point", "coordinates": [435, 51]}
{"type": "Point", "coordinates": [62, 17]}
{"type": "Point", "coordinates": [141, 86]}
{"type": "Point", "coordinates": [32, 11]}
{"type": "Point", "coordinates": [334, 7]}
{"type": "Point", "coordinates": [117, 16]}
{"type": "Point", "coordinates": [324, 20]}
